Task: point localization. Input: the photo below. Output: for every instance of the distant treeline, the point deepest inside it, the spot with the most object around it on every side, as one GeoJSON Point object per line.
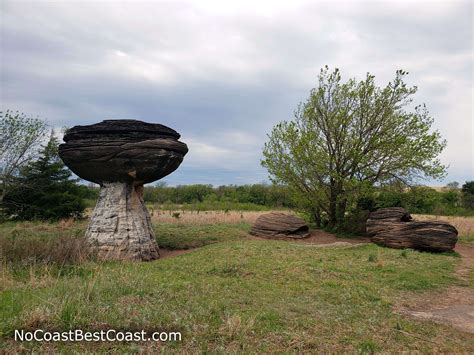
{"type": "Point", "coordinates": [449, 200]}
{"type": "Point", "coordinates": [207, 197]}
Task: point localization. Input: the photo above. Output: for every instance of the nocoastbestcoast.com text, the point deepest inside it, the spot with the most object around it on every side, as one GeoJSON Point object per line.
{"type": "Point", "coordinates": [110, 335]}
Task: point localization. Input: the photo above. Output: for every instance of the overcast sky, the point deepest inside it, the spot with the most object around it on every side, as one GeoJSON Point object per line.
{"type": "Point", "coordinates": [224, 73]}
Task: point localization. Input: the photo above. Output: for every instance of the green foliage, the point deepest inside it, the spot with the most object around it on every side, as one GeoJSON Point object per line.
{"type": "Point", "coordinates": [187, 236]}
{"type": "Point", "coordinates": [348, 137]}
{"type": "Point", "coordinates": [468, 194]}
{"type": "Point", "coordinates": [372, 258]}
{"type": "Point", "coordinates": [418, 199]}
{"type": "Point", "coordinates": [20, 136]}
{"type": "Point", "coordinates": [468, 187]}
{"type": "Point", "coordinates": [232, 197]}
{"type": "Point", "coordinates": [44, 189]}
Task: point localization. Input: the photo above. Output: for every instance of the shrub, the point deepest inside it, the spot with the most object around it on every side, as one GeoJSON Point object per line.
{"type": "Point", "coordinates": [20, 248]}
{"type": "Point", "coordinates": [44, 190]}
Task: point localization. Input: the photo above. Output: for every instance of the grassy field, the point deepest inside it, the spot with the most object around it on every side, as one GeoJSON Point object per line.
{"type": "Point", "coordinates": [180, 217]}
{"type": "Point", "coordinates": [232, 294]}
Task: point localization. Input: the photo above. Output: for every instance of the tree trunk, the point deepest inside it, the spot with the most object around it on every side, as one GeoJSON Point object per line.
{"type": "Point", "coordinates": [317, 216]}
{"type": "Point", "coordinates": [341, 210]}
{"type": "Point", "coordinates": [332, 215]}
{"type": "Point", "coordinates": [337, 205]}
{"type": "Point", "coordinates": [120, 226]}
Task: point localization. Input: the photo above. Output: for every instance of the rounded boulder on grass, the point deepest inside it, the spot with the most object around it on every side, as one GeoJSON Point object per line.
{"type": "Point", "coordinates": [277, 225]}
{"type": "Point", "coordinates": [394, 228]}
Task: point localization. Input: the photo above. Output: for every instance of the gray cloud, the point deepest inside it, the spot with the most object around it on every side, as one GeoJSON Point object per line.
{"type": "Point", "coordinates": [223, 73]}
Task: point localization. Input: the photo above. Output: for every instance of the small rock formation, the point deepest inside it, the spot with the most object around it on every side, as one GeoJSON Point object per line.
{"type": "Point", "coordinates": [394, 228]}
{"type": "Point", "coordinates": [279, 225]}
{"type": "Point", "coordinates": [121, 156]}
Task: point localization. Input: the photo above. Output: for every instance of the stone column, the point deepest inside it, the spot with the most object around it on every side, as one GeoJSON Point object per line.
{"type": "Point", "coordinates": [120, 226]}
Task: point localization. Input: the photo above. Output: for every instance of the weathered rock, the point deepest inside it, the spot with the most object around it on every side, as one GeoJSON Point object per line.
{"type": "Point", "coordinates": [122, 150]}
{"type": "Point", "coordinates": [120, 226]}
{"type": "Point", "coordinates": [279, 225]}
{"type": "Point", "coordinates": [383, 218]}
{"type": "Point", "coordinates": [391, 214]}
{"type": "Point", "coordinates": [394, 228]}
{"type": "Point", "coordinates": [121, 156]}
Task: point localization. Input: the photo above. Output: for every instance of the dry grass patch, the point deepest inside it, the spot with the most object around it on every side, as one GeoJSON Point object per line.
{"type": "Point", "coordinates": [204, 217]}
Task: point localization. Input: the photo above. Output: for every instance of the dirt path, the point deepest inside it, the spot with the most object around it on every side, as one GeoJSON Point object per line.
{"type": "Point", "coordinates": [168, 253]}
{"type": "Point", "coordinates": [317, 237]}
{"type": "Point", "coordinates": [453, 306]}
{"type": "Point", "coordinates": [320, 237]}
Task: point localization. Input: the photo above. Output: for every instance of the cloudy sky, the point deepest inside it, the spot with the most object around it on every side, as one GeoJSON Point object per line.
{"type": "Point", "coordinates": [222, 73]}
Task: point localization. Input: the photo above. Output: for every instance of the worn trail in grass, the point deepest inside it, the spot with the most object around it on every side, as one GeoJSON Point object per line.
{"type": "Point", "coordinates": [452, 306]}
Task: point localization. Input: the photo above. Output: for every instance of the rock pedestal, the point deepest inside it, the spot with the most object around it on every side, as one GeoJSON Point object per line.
{"type": "Point", "coordinates": [121, 156]}
{"type": "Point", "coordinates": [120, 226]}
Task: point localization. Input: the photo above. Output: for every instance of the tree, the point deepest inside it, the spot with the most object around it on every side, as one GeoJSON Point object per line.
{"type": "Point", "coordinates": [20, 136]}
{"type": "Point", "coordinates": [452, 185]}
{"type": "Point", "coordinates": [468, 194]}
{"type": "Point", "coordinates": [348, 137]}
{"type": "Point", "coordinates": [44, 190]}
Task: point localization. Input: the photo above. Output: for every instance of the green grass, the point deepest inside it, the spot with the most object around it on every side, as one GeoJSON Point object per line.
{"type": "Point", "coordinates": [18, 236]}
{"type": "Point", "coordinates": [186, 236]}
{"type": "Point", "coordinates": [237, 294]}
{"type": "Point", "coordinates": [468, 240]}
{"type": "Point", "coordinates": [41, 230]}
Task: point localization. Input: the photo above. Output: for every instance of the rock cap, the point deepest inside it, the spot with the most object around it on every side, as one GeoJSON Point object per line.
{"type": "Point", "coordinates": [122, 151]}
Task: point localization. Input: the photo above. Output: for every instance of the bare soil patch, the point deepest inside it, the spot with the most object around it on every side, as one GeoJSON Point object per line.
{"type": "Point", "coordinates": [168, 253]}
{"type": "Point", "coordinates": [453, 306]}
{"type": "Point", "coordinates": [321, 237]}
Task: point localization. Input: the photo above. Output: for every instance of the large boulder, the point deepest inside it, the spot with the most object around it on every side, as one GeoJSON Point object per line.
{"type": "Point", "coordinates": [122, 151]}
{"type": "Point", "coordinates": [280, 225]}
{"type": "Point", "coordinates": [394, 228]}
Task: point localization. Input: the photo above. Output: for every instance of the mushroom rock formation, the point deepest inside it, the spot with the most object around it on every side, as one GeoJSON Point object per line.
{"type": "Point", "coordinates": [121, 156]}
{"type": "Point", "coordinates": [279, 225]}
{"type": "Point", "coordinates": [394, 228]}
